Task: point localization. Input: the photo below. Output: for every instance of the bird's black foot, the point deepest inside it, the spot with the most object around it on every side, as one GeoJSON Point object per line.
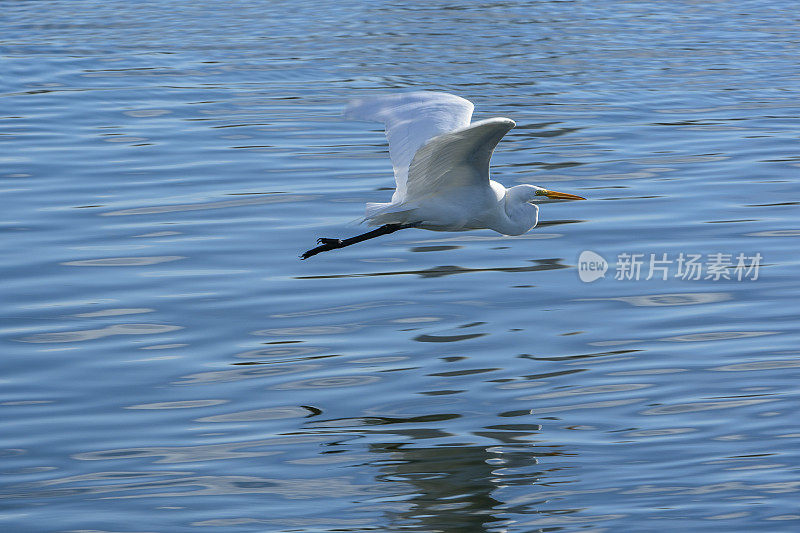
{"type": "Point", "coordinates": [332, 244]}
{"type": "Point", "coordinates": [324, 245]}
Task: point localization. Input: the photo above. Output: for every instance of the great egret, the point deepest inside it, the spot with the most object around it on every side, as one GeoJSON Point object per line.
{"type": "Point", "coordinates": [441, 169]}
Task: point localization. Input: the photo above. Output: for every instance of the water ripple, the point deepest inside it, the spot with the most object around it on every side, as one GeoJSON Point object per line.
{"type": "Point", "coordinates": [669, 299]}
{"type": "Point", "coordinates": [180, 485]}
{"type": "Point", "coordinates": [334, 382]}
{"type": "Point", "coordinates": [125, 261]}
{"type": "Point", "coordinates": [90, 334]}
{"type": "Point", "coordinates": [181, 404]}
{"type": "Point", "coordinates": [439, 271]}
{"type": "Point", "coordinates": [702, 406]}
{"type": "Point", "coordinates": [201, 452]}
{"type": "Point", "coordinates": [209, 205]}
{"type": "Point", "coordinates": [238, 374]}
{"type": "Point", "coordinates": [267, 413]}
{"type": "Point", "coordinates": [717, 336]}
{"type": "Point", "coordinates": [759, 365]}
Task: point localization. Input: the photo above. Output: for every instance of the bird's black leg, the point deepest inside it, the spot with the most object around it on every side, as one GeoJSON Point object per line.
{"type": "Point", "coordinates": [333, 244]}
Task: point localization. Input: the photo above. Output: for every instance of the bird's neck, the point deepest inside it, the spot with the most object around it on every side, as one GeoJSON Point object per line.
{"type": "Point", "coordinates": [520, 215]}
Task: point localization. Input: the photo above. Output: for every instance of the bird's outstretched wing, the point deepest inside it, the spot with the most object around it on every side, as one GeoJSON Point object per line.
{"type": "Point", "coordinates": [411, 120]}
{"type": "Point", "coordinates": [456, 159]}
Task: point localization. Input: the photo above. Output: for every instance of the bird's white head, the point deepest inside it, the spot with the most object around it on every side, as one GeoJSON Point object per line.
{"type": "Point", "coordinates": [523, 213]}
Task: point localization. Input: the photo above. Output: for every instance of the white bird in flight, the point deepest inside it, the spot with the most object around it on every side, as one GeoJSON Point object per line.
{"type": "Point", "coordinates": [441, 170]}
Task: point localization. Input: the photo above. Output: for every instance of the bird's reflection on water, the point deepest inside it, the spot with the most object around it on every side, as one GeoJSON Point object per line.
{"type": "Point", "coordinates": [450, 488]}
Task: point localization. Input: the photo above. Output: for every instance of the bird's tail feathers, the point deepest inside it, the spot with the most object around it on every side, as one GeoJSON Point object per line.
{"type": "Point", "coordinates": [377, 214]}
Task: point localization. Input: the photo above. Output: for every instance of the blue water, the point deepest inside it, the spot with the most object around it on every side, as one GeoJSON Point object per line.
{"type": "Point", "coordinates": [170, 365]}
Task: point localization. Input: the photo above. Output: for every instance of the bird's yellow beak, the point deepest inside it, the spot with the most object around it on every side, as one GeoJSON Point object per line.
{"type": "Point", "coordinates": [555, 195]}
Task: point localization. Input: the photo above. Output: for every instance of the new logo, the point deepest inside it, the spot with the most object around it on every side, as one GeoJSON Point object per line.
{"type": "Point", "coordinates": [591, 266]}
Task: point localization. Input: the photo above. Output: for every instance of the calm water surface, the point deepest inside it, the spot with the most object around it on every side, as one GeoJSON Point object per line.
{"type": "Point", "coordinates": [170, 365]}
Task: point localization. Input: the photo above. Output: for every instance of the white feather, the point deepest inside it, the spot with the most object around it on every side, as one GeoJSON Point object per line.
{"type": "Point", "coordinates": [456, 159]}
{"type": "Point", "coordinates": [411, 119]}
